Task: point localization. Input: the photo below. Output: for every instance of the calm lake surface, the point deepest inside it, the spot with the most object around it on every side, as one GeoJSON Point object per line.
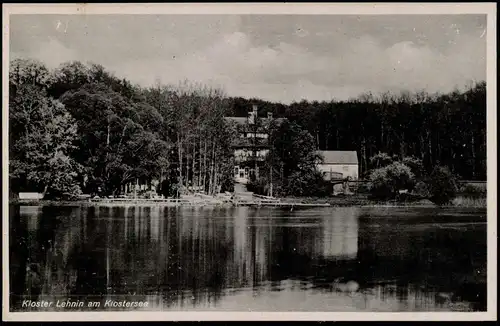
{"type": "Point", "coordinates": [249, 259]}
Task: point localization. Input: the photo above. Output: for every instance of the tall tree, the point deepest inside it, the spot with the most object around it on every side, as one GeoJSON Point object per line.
{"type": "Point", "coordinates": [41, 136]}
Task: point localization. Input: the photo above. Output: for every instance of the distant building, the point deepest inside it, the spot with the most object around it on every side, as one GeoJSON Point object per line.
{"type": "Point", "coordinates": [339, 165]}
{"type": "Point", "coordinates": [251, 145]}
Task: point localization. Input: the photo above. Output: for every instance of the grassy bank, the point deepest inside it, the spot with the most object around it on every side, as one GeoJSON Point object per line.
{"type": "Point", "coordinates": [356, 200]}
{"type": "Point", "coordinates": [363, 200]}
{"type": "Point", "coordinates": [462, 201]}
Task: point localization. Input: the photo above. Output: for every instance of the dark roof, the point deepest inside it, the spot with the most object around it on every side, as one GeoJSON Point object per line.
{"type": "Point", "coordinates": [339, 157]}
{"type": "Point", "coordinates": [244, 120]}
{"type": "Point", "coordinates": [238, 120]}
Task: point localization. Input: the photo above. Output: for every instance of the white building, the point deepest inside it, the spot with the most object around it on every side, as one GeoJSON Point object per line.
{"type": "Point", "coordinates": [339, 165]}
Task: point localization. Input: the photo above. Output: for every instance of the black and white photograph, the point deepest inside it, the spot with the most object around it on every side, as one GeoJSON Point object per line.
{"type": "Point", "coordinates": [191, 162]}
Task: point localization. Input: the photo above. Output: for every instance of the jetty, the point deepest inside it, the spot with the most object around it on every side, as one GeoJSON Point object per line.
{"type": "Point", "coordinates": [199, 199]}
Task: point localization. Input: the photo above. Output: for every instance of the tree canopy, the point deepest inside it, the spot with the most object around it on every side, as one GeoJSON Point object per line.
{"type": "Point", "coordinates": [79, 127]}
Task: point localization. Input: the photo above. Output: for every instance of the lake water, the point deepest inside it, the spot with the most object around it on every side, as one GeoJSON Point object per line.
{"type": "Point", "coordinates": [249, 259]}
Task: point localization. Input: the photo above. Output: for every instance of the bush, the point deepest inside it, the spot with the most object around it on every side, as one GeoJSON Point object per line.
{"type": "Point", "coordinates": [471, 191]}
{"type": "Point", "coordinates": [258, 186]}
{"type": "Point", "coordinates": [70, 192]}
{"type": "Point", "coordinates": [380, 160]}
{"type": "Point", "coordinates": [416, 166]}
{"type": "Point", "coordinates": [379, 184]}
{"type": "Point", "coordinates": [363, 188]}
{"type": "Point", "coordinates": [227, 185]}
{"type": "Point", "coordinates": [421, 189]}
{"type": "Point", "coordinates": [310, 183]}
{"type": "Point", "coordinates": [386, 182]}
{"type": "Point", "coordinates": [442, 186]}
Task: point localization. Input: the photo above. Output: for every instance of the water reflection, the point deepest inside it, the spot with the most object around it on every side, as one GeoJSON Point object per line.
{"type": "Point", "coordinates": [340, 236]}
{"type": "Point", "coordinates": [245, 258]}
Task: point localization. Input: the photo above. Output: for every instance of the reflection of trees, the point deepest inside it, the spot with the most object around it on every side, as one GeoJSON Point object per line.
{"type": "Point", "coordinates": [436, 257]}
{"type": "Point", "coordinates": [18, 254]}
{"type": "Point", "coordinates": [41, 242]}
{"type": "Point", "coordinates": [248, 266]}
{"type": "Point", "coordinates": [195, 254]}
{"type": "Point", "coordinates": [165, 251]}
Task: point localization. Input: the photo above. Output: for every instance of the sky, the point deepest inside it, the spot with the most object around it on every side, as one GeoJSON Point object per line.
{"type": "Point", "coordinates": [282, 58]}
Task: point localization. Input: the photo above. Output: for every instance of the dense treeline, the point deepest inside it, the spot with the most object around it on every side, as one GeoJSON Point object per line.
{"type": "Point", "coordinates": [80, 128]}
{"type": "Point", "coordinates": [439, 129]}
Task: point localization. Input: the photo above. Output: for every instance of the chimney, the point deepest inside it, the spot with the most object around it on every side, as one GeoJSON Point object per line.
{"type": "Point", "coordinates": [269, 115]}
{"type": "Point", "coordinates": [252, 115]}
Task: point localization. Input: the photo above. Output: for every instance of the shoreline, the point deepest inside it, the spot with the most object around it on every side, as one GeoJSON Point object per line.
{"type": "Point", "coordinates": [350, 201]}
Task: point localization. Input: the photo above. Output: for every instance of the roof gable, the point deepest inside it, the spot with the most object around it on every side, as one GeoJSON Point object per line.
{"type": "Point", "coordinates": [238, 120]}
{"type": "Point", "coordinates": [339, 157]}
{"type": "Point", "coordinates": [244, 120]}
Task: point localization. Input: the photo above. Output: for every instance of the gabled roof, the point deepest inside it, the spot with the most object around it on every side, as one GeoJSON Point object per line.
{"type": "Point", "coordinates": [339, 157]}
{"type": "Point", "coordinates": [244, 120]}
{"type": "Point", "coordinates": [238, 120]}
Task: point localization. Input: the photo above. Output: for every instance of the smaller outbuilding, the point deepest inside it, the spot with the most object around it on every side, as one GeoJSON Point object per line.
{"type": "Point", "coordinates": [339, 165]}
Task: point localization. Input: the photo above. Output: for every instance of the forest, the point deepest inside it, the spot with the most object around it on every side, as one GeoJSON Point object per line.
{"type": "Point", "coordinates": [440, 129]}
{"type": "Point", "coordinates": [79, 127]}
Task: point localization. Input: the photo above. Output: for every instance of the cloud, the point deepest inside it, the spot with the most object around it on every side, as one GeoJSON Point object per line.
{"type": "Point", "coordinates": [288, 69]}
{"type": "Point", "coordinates": [53, 53]}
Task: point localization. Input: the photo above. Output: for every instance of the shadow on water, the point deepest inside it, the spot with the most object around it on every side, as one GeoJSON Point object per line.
{"type": "Point", "coordinates": [336, 259]}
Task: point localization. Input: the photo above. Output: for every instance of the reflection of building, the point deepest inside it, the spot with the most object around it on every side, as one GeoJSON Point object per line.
{"type": "Point", "coordinates": [339, 164]}
{"type": "Point", "coordinates": [32, 215]}
{"type": "Point", "coordinates": [251, 145]}
{"type": "Point", "coordinates": [340, 234]}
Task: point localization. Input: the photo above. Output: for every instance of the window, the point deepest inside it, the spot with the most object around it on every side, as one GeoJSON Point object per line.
{"type": "Point", "coordinates": [236, 170]}
{"type": "Point", "coordinates": [262, 135]}
{"type": "Point", "coordinates": [246, 172]}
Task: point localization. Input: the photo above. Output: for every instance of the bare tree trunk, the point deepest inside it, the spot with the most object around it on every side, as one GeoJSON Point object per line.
{"type": "Point", "coordinates": [422, 147]}
{"type": "Point", "coordinates": [199, 167]}
{"type": "Point", "coordinates": [193, 163]}
{"type": "Point", "coordinates": [212, 167]}
{"type": "Point", "coordinates": [187, 166]}
{"type": "Point", "coordinates": [473, 157]}
{"type": "Point", "coordinates": [216, 179]}
{"type": "Point", "coordinates": [109, 132]}
{"type": "Point", "coordinates": [429, 140]}
{"type": "Point", "coordinates": [179, 150]}
{"type": "Point", "coordinates": [364, 163]}
{"type": "Point", "coordinates": [438, 145]}
{"type": "Point", "coordinates": [388, 142]}
{"type": "Point", "coordinates": [402, 145]}
{"type": "Point", "coordinates": [382, 135]}
{"type": "Point", "coordinates": [205, 167]}
{"type": "Point", "coordinates": [45, 191]}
